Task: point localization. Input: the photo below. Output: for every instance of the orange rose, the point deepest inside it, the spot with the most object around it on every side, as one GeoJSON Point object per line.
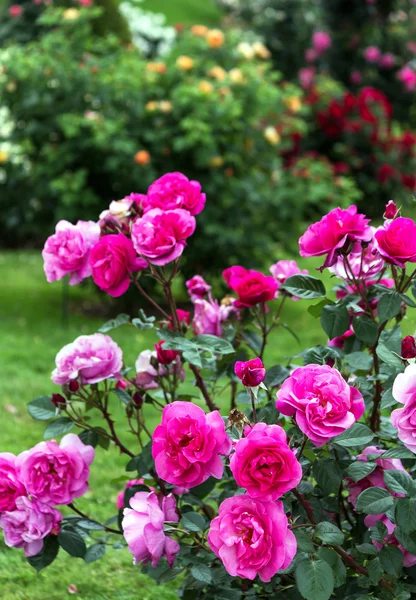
{"type": "Point", "coordinates": [142, 157]}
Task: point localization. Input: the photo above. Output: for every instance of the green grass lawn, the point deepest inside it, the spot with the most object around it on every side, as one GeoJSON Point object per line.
{"type": "Point", "coordinates": [187, 12]}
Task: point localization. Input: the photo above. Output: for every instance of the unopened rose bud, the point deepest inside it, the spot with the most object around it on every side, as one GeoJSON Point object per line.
{"type": "Point", "coordinates": [391, 210]}
{"type": "Point", "coordinates": [73, 386]}
{"type": "Point", "coordinates": [165, 357]}
{"type": "Point", "coordinates": [409, 347]}
{"type": "Point", "coordinates": [58, 400]}
{"type": "Point", "coordinates": [122, 384]}
{"type": "Point", "coordinates": [251, 373]}
{"type": "Point", "coordinates": [138, 399]}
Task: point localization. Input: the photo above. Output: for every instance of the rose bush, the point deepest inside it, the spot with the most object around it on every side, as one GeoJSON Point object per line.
{"type": "Point", "coordinates": [287, 480]}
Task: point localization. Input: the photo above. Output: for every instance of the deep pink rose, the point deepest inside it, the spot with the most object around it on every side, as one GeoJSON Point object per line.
{"type": "Point", "coordinates": [209, 316]}
{"type": "Point", "coordinates": [129, 484]}
{"type": "Point", "coordinates": [404, 419]}
{"type": "Point", "coordinates": [251, 372]}
{"type": "Point", "coordinates": [397, 241]}
{"type": "Point", "coordinates": [322, 402]}
{"type": "Point", "coordinates": [409, 560]}
{"type": "Point", "coordinates": [27, 525]}
{"type": "Point", "coordinates": [197, 287]}
{"type": "Point", "coordinates": [407, 76]}
{"type": "Point", "coordinates": [372, 54]}
{"type": "Point", "coordinates": [339, 341]}
{"type": "Point", "coordinates": [374, 479]}
{"type": "Point", "coordinates": [10, 485]}
{"type": "Point", "coordinates": [363, 264]}
{"type": "Point", "coordinates": [321, 41]}
{"type": "Point", "coordinates": [91, 358]}
{"type": "Point", "coordinates": [284, 269]}
{"type": "Point", "coordinates": [67, 251]}
{"type": "Point", "coordinates": [331, 233]}
{"type": "Point", "coordinates": [264, 464]}
{"type": "Point", "coordinates": [113, 259]}
{"type": "Point", "coordinates": [160, 236]}
{"type": "Point", "coordinates": [409, 347]}
{"type": "Point", "coordinates": [165, 357]}
{"type": "Point", "coordinates": [173, 191]}
{"type": "Point", "coordinates": [188, 443]}
{"type": "Point", "coordinates": [252, 538]}
{"type": "Point", "coordinates": [251, 287]}
{"type": "Point", "coordinates": [143, 528]}
{"type": "Point", "coordinates": [306, 77]}
{"type": "Point", "coordinates": [56, 474]}
{"type": "Point", "coordinates": [15, 10]}
{"type": "Point", "coordinates": [184, 318]}
{"type": "Point", "coordinates": [391, 210]}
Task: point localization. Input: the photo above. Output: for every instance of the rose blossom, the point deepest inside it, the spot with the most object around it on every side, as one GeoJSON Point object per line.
{"type": "Point", "coordinates": [407, 76]}
{"type": "Point", "coordinates": [197, 287]}
{"type": "Point", "coordinates": [332, 232]}
{"type": "Point", "coordinates": [160, 235]}
{"type": "Point", "coordinates": [143, 528]}
{"type": "Point", "coordinates": [306, 76]}
{"type": "Point", "coordinates": [91, 358]}
{"type": "Point", "coordinates": [404, 419]}
{"type": "Point", "coordinates": [27, 525]}
{"type": "Point", "coordinates": [209, 317]}
{"type": "Point", "coordinates": [339, 341]}
{"type": "Point", "coordinates": [364, 262]}
{"type": "Point", "coordinates": [165, 357]}
{"type": "Point", "coordinates": [184, 318]}
{"type": "Point", "coordinates": [10, 485]}
{"type": "Point", "coordinates": [391, 210]}
{"type": "Point", "coordinates": [15, 10]}
{"type": "Point", "coordinates": [113, 260]}
{"type": "Point", "coordinates": [67, 251]}
{"type": "Point", "coordinates": [118, 212]}
{"type": "Point", "coordinates": [251, 373]}
{"type": "Point", "coordinates": [322, 402]}
{"type": "Point", "coordinates": [372, 54]}
{"type": "Point", "coordinates": [251, 287]}
{"type": "Point", "coordinates": [264, 464]}
{"type": "Point", "coordinates": [129, 484]}
{"type": "Point", "coordinates": [321, 41]}
{"type": "Point", "coordinates": [387, 60]}
{"type": "Point", "coordinates": [188, 443]}
{"type": "Point", "coordinates": [173, 191]}
{"type": "Point", "coordinates": [397, 241]}
{"type": "Point", "coordinates": [409, 347]}
{"type": "Point", "coordinates": [147, 375]}
{"type": "Point", "coordinates": [252, 538]}
{"type": "Point", "coordinates": [56, 474]}
{"type": "Point", "coordinates": [284, 269]}
{"type": "Point", "coordinates": [409, 560]}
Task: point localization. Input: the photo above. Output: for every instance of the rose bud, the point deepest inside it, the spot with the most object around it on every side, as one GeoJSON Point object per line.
{"type": "Point", "coordinates": [138, 399]}
{"type": "Point", "coordinates": [409, 347]}
{"type": "Point", "coordinates": [251, 373]}
{"type": "Point", "coordinates": [73, 386]}
{"type": "Point", "coordinates": [58, 400]}
{"type": "Point", "coordinates": [165, 357]}
{"type": "Point", "coordinates": [391, 210]}
{"type": "Point", "coordinates": [122, 384]}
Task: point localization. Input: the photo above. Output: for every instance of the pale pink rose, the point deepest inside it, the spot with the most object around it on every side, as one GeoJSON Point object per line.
{"type": "Point", "coordinates": [28, 524]}
{"type": "Point", "coordinates": [56, 474]}
{"type": "Point", "coordinates": [331, 233]}
{"type": "Point", "coordinates": [120, 213]}
{"type": "Point", "coordinates": [407, 76]}
{"type": "Point", "coordinates": [306, 77]}
{"type": "Point", "coordinates": [209, 316]}
{"type": "Point", "coordinates": [197, 287]}
{"type": "Point", "coordinates": [89, 358]}
{"type": "Point", "coordinates": [396, 241]}
{"type": "Point", "coordinates": [372, 54]}
{"type": "Point", "coordinates": [263, 463]}
{"type": "Point", "coordinates": [10, 485]}
{"type": "Point", "coordinates": [67, 251]}
{"type": "Point", "coordinates": [143, 528]}
{"type": "Point", "coordinates": [284, 269]}
{"type": "Point", "coordinates": [404, 419]}
{"type": "Point", "coordinates": [173, 191]}
{"type": "Point", "coordinates": [322, 402]}
{"type": "Point", "coordinates": [160, 235]}
{"type": "Point", "coordinates": [147, 375]}
{"type": "Point", "coordinates": [363, 264]}
{"type": "Point", "coordinates": [409, 560]}
{"type": "Point", "coordinates": [188, 443]}
{"type": "Point", "coordinates": [321, 41]}
{"type": "Point", "coordinates": [252, 538]}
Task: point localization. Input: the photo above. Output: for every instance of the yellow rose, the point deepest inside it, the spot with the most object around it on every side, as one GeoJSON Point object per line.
{"type": "Point", "coordinates": [165, 106]}
{"type": "Point", "coordinates": [236, 76]}
{"type": "Point", "coordinates": [151, 106]}
{"type": "Point", "coordinates": [185, 63]}
{"type": "Point", "coordinates": [215, 38]}
{"type": "Point", "coordinates": [156, 67]}
{"type": "Point", "coordinates": [205, 87]}
{"type": "Point", "coordinates": [217, 73]}
{"type": "Point", "coordinates": [71, 14]}
{"type": "Point", "coordinates": [260, 50]}
{"type": "Point", "coordinates": [4, 157]}
{"type": "Point", "coordinates": [293, 103]}
{"type": "Point", "coordinates": [199, 30]}
{"type": "Point", "coordinates": [216, 161]}
{"type": "Point", "coordinates": [271, 136]}
{"type": "Point", "coordinates": [245, 50]}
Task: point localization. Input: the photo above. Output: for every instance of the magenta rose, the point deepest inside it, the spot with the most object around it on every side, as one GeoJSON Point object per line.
{"type": "Point", "coordinates": [113, 259]}
{"type": "Point", "coordinates": [321, 41]}
{"type": "Point", "coordinates": [251, 287]}
{"type": "Point", "coordinates": [56, 474]}
{"type": "Point", "coordinates": [322, 402]}
{"type": "Point", "coordinates": [332, 232]}
{"type": "Point", "coordinates": [397, 241]}
{"type": "Point", "coordinates": [67, 252]}
{"type": "Point", "coordinates": [391, 210]}
{"type": "Point", "coordinates": [91, 358]}
{"type": "Point", "coordinates": [264, 464]}
{"type": "Point", "coordinates": [404, 419]}
{"type": "Point", "coordinates": [252, 538]}
{"type": "Point", "coordinates": [197, 287]}
{"type": "Point", "coordinates": [251, 373]}
{"type": "Point", "coordinates": [28, 524]}
{"type": "Point", "coordinates": [209, 316]}
{"type": "Point", "coordinates": [173, 191]}
{"type": "Point", "coordinates": [160, 236]}
{"type": "Point", "coordinates": [143, 528]}
{"type": "Point", "coordinates": [372, 54]}
{"type": "Point", "coordinates": [409, 560]}
{"type": "Point", "coordinates": [364, 263]}
{"type": "Point", "coordinates": [10, 485]}
{"type": "Point", "coordinates": [188, 443]}
{"type": "Point", "coordinates": [284, 269]}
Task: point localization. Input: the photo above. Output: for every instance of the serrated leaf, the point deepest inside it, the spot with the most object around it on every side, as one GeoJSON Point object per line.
{"type": "Point", "coordinates": [314, 579]}
{"type": "Point", "coordinates": [47, 555]}
{"type": "Point", "coordinates": [365, 329]}
{"type": "Point", "coordinates": [275, 376]}
{"type": "Point", "coordinates": [121, 319]}
{"type": "Point", "coordinates": [202, 573]}
{"type": "Point", "coordinates": [193, 521]}
{"type": "Point", "coordinates": [327, 474]}
{"type": "Point", "coordinates": [407, 540]}
{"type": "Point", "coordinates": [359, 361]}
{"type": "Point", "coordinates": [72, 542]}
{"type": "Point", "coordinates": [359, 469]}
{"type": "Point", "coordinates": [374, 501]}
{"type": "Point", "coordinates": [368, 549]}
{"type": "Point", "coordinates": [335, 320]}
{"type": "Point", "coordinates": [388, 306]}
{"type": "Point", "coordinates": [42, 408]}
{"type": "Point", "coordinates": [399, 453]}
{"type": "Point", "coordinates": [304, 286]}
{"type": "Point", "coordinates": [94, 552]}
{"type": "Point", "coordinates": [391, 560]}
{"type": "Point", "coordinates": [398, 482]}
{"type": "Point", "coordinates": [58, 427]}
{"type": "Point", "coordinates": [375, 572]}
{"type": "Point", "coordinates": [213, 344]}
{"type": "Point", "coordinates": [329, 534]}
{"type": "Point", "coordinates": [405, 514]}
{"type": "Point", "coordinates": [357, 435]}
{"type": "Point", "coordinates": [304, 541]}
{"type": "Point", "coordinates": [122, 395]}
{"type": "Point", "coordinates": [335, 562]}
{"type": "Point", "coordinates": [387, 400]}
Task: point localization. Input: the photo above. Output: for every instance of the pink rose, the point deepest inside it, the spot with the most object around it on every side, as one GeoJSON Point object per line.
{"type": "Point", "coordinates": [113, 260]}
{"type": "Point", "coordinates": [173, 191]}
{"type": "Point", "coordinates": [91, 358]}
{"type": "Point", "coordinates": [10, 485]}
{"type": "Point", "coordinates": [27, 525]}
{"type": "Point", "coordinates": [311, 55]}
{"type": "Point", "coordinates": [15, 10]}
{"type": "Point", "coordinates": [147, 375]}
{"type": "Point", "coordinates": [356, 77]}
{"type": "Point", "coordinates": [284, 269]}
{"type": "Point", "coordinates": [387, 61]}
{"type": "Point", "coordinates": [391, 210]}
{"type": "Point", "coordinates": [251, 287]}
{"type": "Point", "coordinates": [56, 474]}
{"type": "Point", "coordinates": [184, 318]}
{"type": "Point", "coordinates": [397, 241]}
{"type": "Point", "coordinates": [67, 252]}
{"type": "Point", "coordinates": [264, 464]}
{"type": "Point", "coordinates": [407, 76]}
{"type": "Point", "coordinates": [404, 419]}
{"type": "Point", "coordinates": [160, 236]}
{"type": "Point", "coordinates": [321, 41]}
{"type": "Point", "coordinates": [372, 54]}
{"type": "Point", "coordinates": [251, 373]}
{"type": "Point", "coordinates": [322, 402]}
{"type": "Point", "coordinates": [188, 443]}
{"type": "Point", "coordinates": [331, 233]}
{"type": "Point", "coordinates": [374, 479]}
{"type": "Point", "coordinates": [129, 484]}
{"type": "Point", "coordinates": [143, 528]}
{"type": "Point", "coordinates": [252, 538]}
{"type": "Point", "coordinates": [197, 287]}
{"type": "Point", "coordinates": [409, 560]}
{"type": "Point", "coordinates": [209, 316]}
{"type": "Point", "coordinates": [363, 262]}
{"type": "Point", "coordinates": [165, 357]}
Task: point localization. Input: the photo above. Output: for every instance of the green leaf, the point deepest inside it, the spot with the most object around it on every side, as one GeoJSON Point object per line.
{"type": "Point", "coordinates": [275, 376]}
{"type": "Point", "coordinates": [205, 488]}
{"type": "Point", "coordinates": [388, 306]}
{"type": "Point", "coordinates": [399, 453]}
{"type": "Point", "coordinates": [304, 541]}
{"type": "Point", "coordinates": [213, 344]}
{"type": "Point", "coordinates": [316, 309]}
{"type": "Point", "coordinates": [47, 555]}
{"type": "Point", "coordinates": [387, 400]}
{"type": "Point", "coordinates": [89, 437]}
{"type": "Point", "coordinates": [359, 469]}
{"type": "Point", "coordinates": [329, 533]}
{"type": "Point", "coordinates": [374, 501]}
{"type": "Point", "coordinates": [367, 549]}
{"type": "Point", "coordinates": [335, 320]}
{"type": "Point", "coordinates": [58, 427]}
{"type": "Point", "coordinates": [90, 525]}
{"type": "Point", "coordinates": [398, 482]}
{"type": "Point", "coordinates": [359, 361]}
{"type": "Point", "coordinates": [407, 540]}
{"type": "Point", "coordinates": [391, 560]}
{"type": "Point", "coordinates": [357, 435]}
{"type": "Point", "coordinates": [42, 408]}
{"type": "Point", "coordinates": [252, 339]}
{"type": "Point", "coordinates": [122, 395]}
{"type": "Point", "coordinates": [327, 474]}
{"type": "Point", "coordinates": [72, 543]}
{"type": "Point", "coordinates": [319, 355]}
{"type": "Point", "coordinates": [202, 573]}
{"type": "Point", "coordinates": [113, 323]}
{"type": "Point", "coordinates": [94, 552]}
{"type": "Point", "coordinates": [375, 572]}
{"type": "Point", "coordinates": [388, 357]}
{"type": "Point", "coordinates": [335, 562]}
{"type": "Point", "coordinates": [143, 322]}
{"type": "Point", "coordinates": [405, 514]}
{"type": "Point", "coordinates": [365, 329]}
{"type": "Point", "coordinates": [314, 579]}
{"type": "Point", "coordinates": [304, 286]}
{"type": "Point", "coordinates": [193, 521]}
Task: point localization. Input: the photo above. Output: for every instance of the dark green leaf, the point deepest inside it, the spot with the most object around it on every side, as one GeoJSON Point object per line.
{"type": "Point", "coordinates": [202, 573]}
{"type": "Point", "coordinates": [94, 552]}
{"type": "Point", "coordinates": [407, 540]}
{"type": "Point", "coordinates": [391, 560]}
{"type": "Point", "coordinates": [398, 482]}
{"type": "Point", "coordinates": [335, 562]}
{"type": "Point", "coordinates": [368, 549]}
{"type": "Point", "coordinates": [275, 376]}
{"type": "Point", "coordinates": [329, 534]}
{"type": "Point", "coordinates": [359, 469]}
{"type": "Point", "coordinates": [42, 408]}
{"type": "Point", "coordinates": [405, 514]}
{"type": "Point", "coordinates": [72, 543]}
{"type": "Point", "coordinates": [374, 501]}
{"type": "Point", "coordinates": [122, 395]}
{"type": "Point", "coordinates": [387, 400]}
{"type": "Point", "coordinates": [304, 541]}
{"type": "Point", "coordinates": [314, 579]}
{"type": "Point", "coordinates": [357, 435]}
{"type": "Point", "coordinates": [399, 453]}
{"type": "Point", "coordinates": [113, 323]}
{"type": "Point", "coordinates": [213, 344]}
{"type": "Point", "coordinates": [388, 306]}
{"type": "Point", "coordinates": [316, 309]}
{"type": "Point", "coordinates": [327, 474]}
{"type": "Point", "coordinates": [365, 329]}
{"type": "Point", "coordinates": [193, 521]}
{"type": "Point", "coordinates": [304, 286]}
{"type": "Point", "coordinates": [205, 488]}
{"type": "Point", "coordinates": [58, 427]}
{"type": "Point", "coordinates": [359, 361]}
{"type": "Point", "coordinates": [90, 525]}
{"type": "Point", "coordinates": [252, 339]}
{"type": "Point", "coordinates": [143, 322]}
{"type": "Point", "coordinates": [319, 355]}
{"type": "Point", "coordinates": [388, 357]}
{"type": "Point", "coordinates": [47, 555]}
{"type": "Point", "coordinates": [335, 320]}
{"type": "Point", "coordinates": [375, 572]}
{"type": "Point", "coordinates": [89, 437]}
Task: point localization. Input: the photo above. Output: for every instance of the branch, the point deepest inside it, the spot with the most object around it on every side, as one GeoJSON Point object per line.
{"type": "Point", "coordinates": [84, 516]}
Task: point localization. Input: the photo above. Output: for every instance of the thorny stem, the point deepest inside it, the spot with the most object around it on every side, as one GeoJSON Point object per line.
{"type": "Point", "coordinates": [150, 299]}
